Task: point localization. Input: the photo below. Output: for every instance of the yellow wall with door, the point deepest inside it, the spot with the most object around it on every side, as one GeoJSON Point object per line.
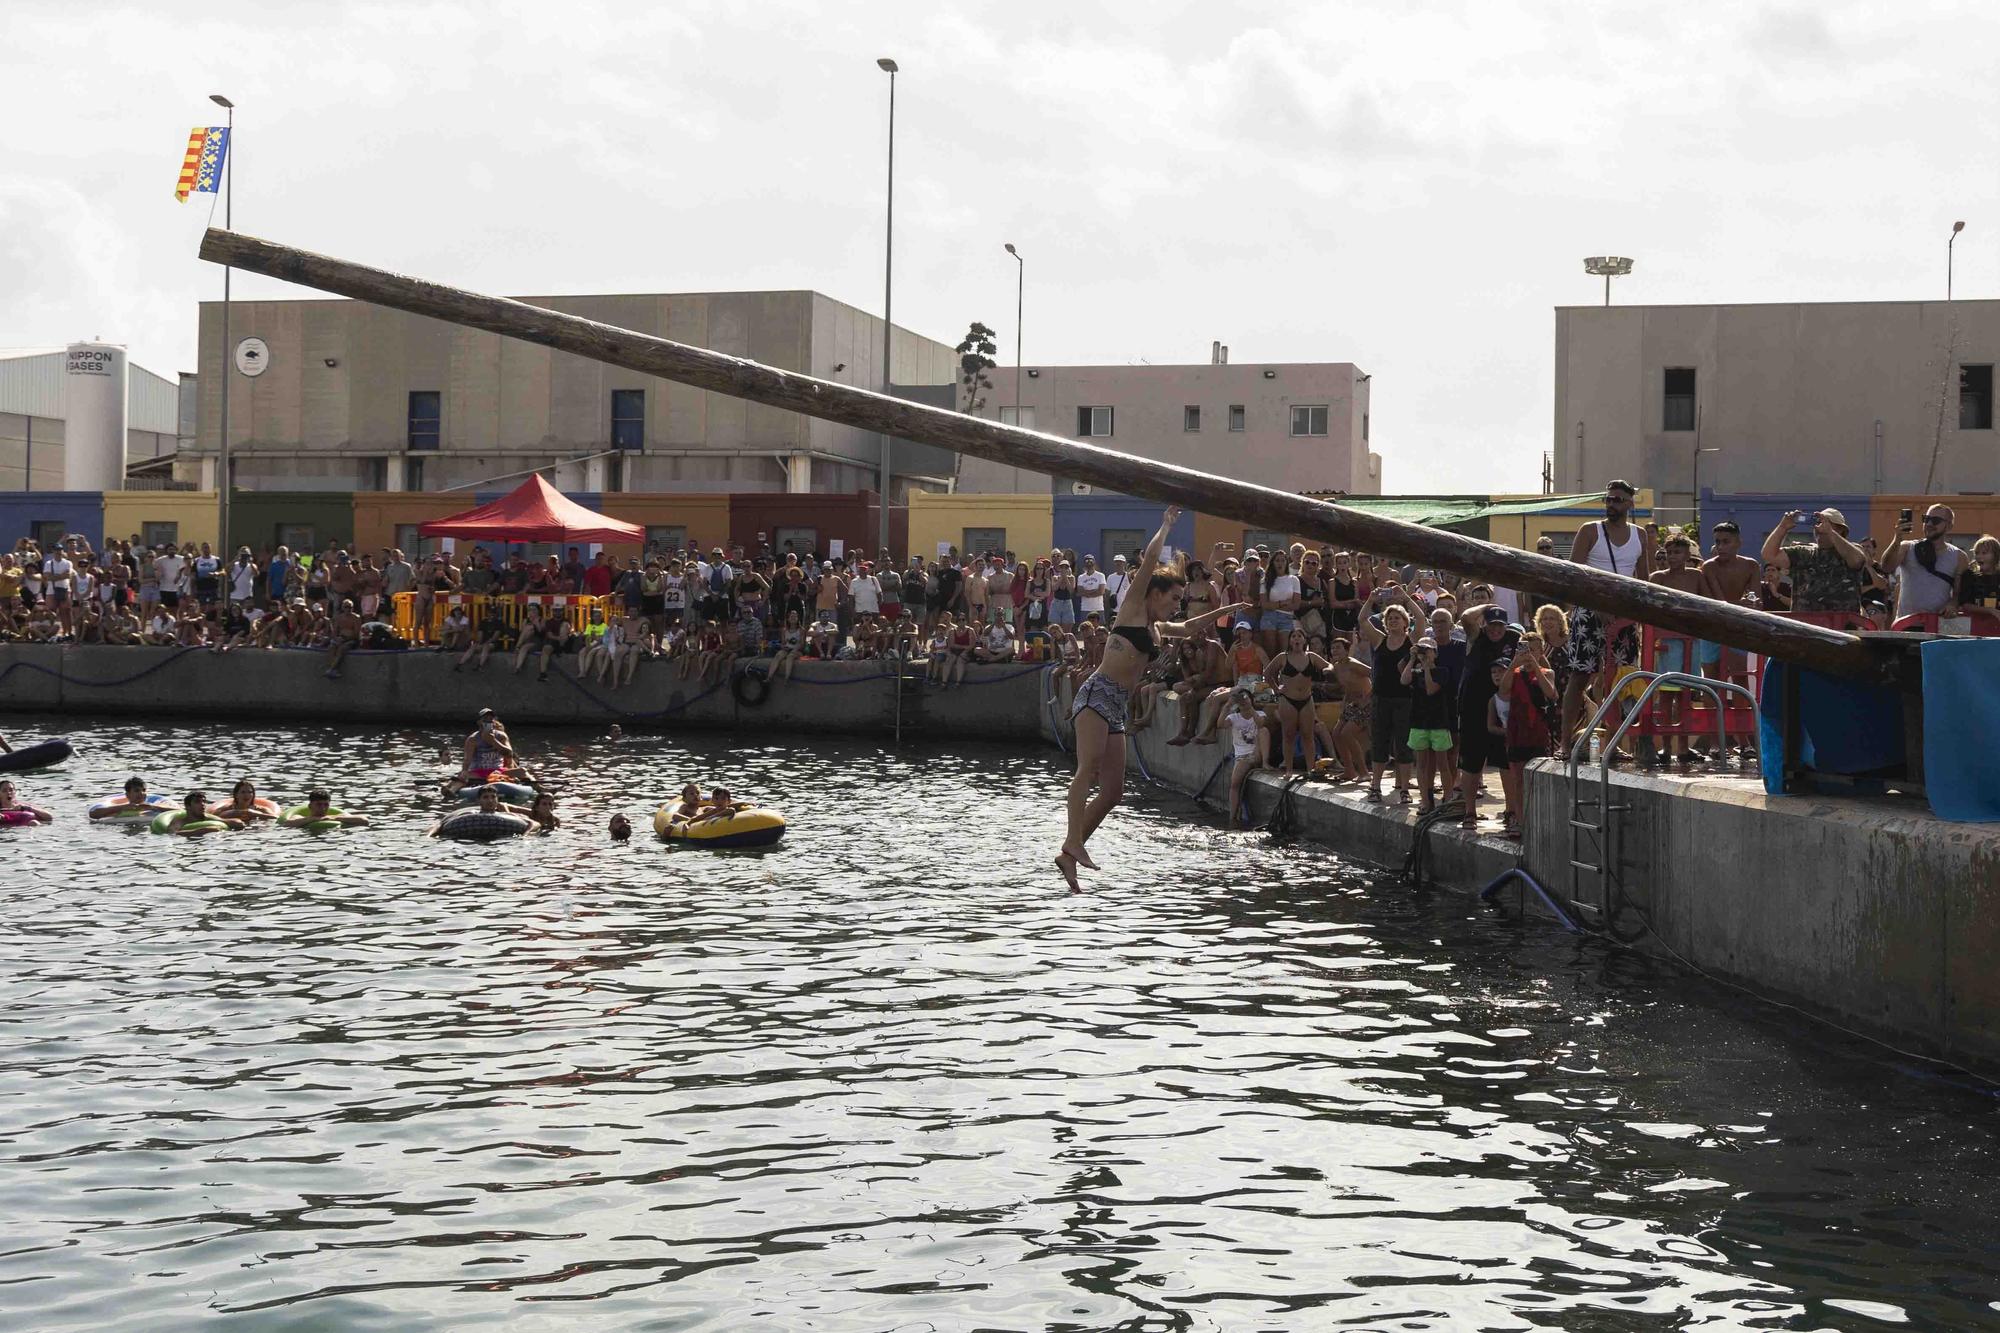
{"type": "Point", "coordinates": [1523, 530]}
{"type": "Point", "coordinates": [126, 514]}
{"type": "Point", "coordinates": [1028, 521]}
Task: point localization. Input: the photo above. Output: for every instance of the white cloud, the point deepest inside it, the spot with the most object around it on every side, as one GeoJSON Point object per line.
{"type": "Point", "coordinates": [1407, 186]}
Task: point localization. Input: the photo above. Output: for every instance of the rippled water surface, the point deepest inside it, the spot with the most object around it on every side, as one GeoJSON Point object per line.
{"type": "Point", "coordinates": [887, 1077]}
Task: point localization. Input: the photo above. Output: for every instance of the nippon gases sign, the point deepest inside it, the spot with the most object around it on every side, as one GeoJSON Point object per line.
{"type": "Point", "coordinates": [90, 361]}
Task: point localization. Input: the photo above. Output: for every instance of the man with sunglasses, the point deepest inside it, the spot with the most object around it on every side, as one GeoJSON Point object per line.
{"type": "Point", "coordinates": [1927, 570]}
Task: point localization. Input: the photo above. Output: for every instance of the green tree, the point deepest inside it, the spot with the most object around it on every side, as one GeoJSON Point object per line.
{"type": "Point", "coordinates": [975, 358]}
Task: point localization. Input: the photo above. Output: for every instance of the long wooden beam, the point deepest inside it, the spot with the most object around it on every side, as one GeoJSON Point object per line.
{"type": "Point", "coordinates": [1612, 594]}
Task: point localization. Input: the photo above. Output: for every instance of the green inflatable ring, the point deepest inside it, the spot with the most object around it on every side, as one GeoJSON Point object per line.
{"type": "Point", "coordinates": [317, 825]}
{"type": "Point", "coordinates": [166, 823]}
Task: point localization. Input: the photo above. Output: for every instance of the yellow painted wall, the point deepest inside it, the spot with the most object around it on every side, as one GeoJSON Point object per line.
{"type": "Point", "coordinates": [1522, 530]}
{"type": "Point", "coordinates": [1029, 521]}
{"type": "Point", "coordinates": [127, 512]}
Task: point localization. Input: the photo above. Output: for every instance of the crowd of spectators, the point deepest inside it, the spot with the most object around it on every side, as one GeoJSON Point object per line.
{"type": "Point", "coordinates": [1356, 668]}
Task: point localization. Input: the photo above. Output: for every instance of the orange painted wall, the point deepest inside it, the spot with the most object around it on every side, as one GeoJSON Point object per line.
{"type": "Point", "coordinates": [378, 513]}
{"type": "Point", "coordinates": [706, 517]}
{"type": "Point", "coordinates": [1977, 514]}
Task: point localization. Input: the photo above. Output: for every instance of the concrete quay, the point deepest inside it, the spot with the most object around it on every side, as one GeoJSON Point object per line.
{"type": "Point", "coordinates": [996, 702]}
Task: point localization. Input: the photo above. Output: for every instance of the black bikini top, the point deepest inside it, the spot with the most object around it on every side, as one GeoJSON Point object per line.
{"type": "Point", "coordinates": [1309, 671]}
{"type": "Point", "coordinates": [1139, 637]}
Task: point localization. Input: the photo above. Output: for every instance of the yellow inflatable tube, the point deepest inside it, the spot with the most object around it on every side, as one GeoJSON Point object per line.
{"type": "Point", "coordinates": [755, 827]}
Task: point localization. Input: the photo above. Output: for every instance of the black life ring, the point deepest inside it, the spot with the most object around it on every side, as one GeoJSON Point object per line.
{"type": "Point", "coordinates": [751, 688]}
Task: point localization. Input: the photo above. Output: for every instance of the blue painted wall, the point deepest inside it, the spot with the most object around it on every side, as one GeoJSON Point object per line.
{"type": "Point", "coordinates": [1080, 522]}
{"type": "Point", "coordinates": [1758, 513]}
{"type": "Point", "coordinates": [78, 511]}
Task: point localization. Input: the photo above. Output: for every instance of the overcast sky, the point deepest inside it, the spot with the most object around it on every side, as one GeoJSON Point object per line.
{"type": "Point", "coordinates": [1410, 187]}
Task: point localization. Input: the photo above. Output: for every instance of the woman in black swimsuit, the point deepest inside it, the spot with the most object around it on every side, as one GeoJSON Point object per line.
{"type": "Point", "coordinates": [1294, 673]}
{"type": "Point", "coordinates": [1098, 714]}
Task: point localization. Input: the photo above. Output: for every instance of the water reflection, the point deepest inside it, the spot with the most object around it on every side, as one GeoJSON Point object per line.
{"type": "Point", "coordinates": [879, 1078]}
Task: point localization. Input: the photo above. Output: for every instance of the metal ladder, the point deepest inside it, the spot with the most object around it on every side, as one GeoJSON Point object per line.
{"type": "Point", "coordinates": [1606, 832]}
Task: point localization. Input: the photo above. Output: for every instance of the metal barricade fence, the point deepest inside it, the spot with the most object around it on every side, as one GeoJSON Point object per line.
{"type": "Point", "coordinates": [442, 603]}
{"type": "Point", "coordinates": [1672, 711]}
{"type": "Point", "coordinates": [573, 607]}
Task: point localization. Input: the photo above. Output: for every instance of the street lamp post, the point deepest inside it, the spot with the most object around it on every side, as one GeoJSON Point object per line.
{"type": "Point", "coordinates": [1607, 267]}
{"type": "Point", "coordinates": [1020, 297]}
{"type": "Point", "coordinates": [1956, 228]}
{"type": "Point", "coordinates": [888, 292]}
{"type": "Point", "coordinates": [228, 224]}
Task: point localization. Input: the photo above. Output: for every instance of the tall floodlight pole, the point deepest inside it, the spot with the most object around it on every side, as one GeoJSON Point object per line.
{"type": "Point", "coordinates": [1020, 297]}
{"type": "Point", "coordinates": [1956, 228]}
{"type": "Point", "coordinates": [888, 292]}
{"type": "Point", "coordinates": [228, 210]}
{"type": "Point", "coordinates": [1607, 267]}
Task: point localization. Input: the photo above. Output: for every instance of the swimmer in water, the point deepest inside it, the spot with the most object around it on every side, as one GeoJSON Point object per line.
{"type": "Point", "coordinates": [319, 809]}
{"type": "Point", "coordinates": [543, 812]}
{"type": "Point", "coordinates": [617, 733]}
{"type": "Point", "coordinates": [194, 810]}
{"type": "Point", "coordinates": [620, 829]}
{"type": "Point", "coordinates": [690, 803]}
{"type": "Point", "coordinates": [9, 804]}
{"type": "Point", "coordinates": [487, 754]}
{"type": "Point", "coordinates": [135, 795]}
{"type": "Point", "coordinates": [720, 806]}
{"type": "Point", "coordinates": [244, 805]}
{"type": "Point", "coordinates": [489, 804]}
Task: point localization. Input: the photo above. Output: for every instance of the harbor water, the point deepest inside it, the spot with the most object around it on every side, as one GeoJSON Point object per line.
{"type": "Point", "coordinates": [889, 1076]}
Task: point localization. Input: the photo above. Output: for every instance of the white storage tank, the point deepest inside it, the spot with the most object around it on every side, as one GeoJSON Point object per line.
{"type": "Point", "coordinates": [96, 408]}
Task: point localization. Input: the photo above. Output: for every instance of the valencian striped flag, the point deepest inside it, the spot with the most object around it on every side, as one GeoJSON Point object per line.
{"type": "Point", "coordinates": [201, 169]}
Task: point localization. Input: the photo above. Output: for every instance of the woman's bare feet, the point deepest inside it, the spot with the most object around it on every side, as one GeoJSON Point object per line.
{"type": "Point", "coordinates": [1080, 856]}
{"type": "Point", "coordinates": [1066, 864]}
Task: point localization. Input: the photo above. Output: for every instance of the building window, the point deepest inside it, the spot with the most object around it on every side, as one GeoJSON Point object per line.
{"type": "Point", "coordinates": [1975, 397]}
{"type": "Point", "coordinates": [157, 535]}
{"type": "Point", "coordinates": [374, 474]}
{"type": "Point", "coordinates": [413, 475]}
{"type": "Point", "coordinates": [426, 415]}
{"type": "Point", "coordinates": [1236, 417]}
{"type": "Point", "coordinates": [1023, 417]}
{"type": "Point", "coordinates": [628, 418]}
{"type": "Point", "coordinates": [1270, 541]}
{"type": "Point", "coordinates": [1677, 411]}
{"type": "Point", "coordinates": [1190, 419]}
{"type": "Point", "coordinates": [1093, 421]}
{"type": "Point", "coordinates": [302, 538]}
{"type": "Point", "coordinates": [1309, 420]}
{"type": "Point", "coordinates": [802, 542]}
{"type": "Point", "coordinates": [1128, 542]}
{"type": "Point", "coordinates": [669, 538]}
{"type": "Point", "coordinates": [48, 533]}
{"type": "Point", "coordinates": [984, 542]}
{"type": "Point", "coordinates": [1364, 428]}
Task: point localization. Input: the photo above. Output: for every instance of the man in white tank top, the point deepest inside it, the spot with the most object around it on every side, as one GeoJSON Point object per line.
{"type": "Point", "coordinates": [1616, 546]}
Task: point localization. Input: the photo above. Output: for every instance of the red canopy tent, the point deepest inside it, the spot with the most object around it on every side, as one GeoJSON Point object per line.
{"type": "Point", "coordinates": [534, 511]}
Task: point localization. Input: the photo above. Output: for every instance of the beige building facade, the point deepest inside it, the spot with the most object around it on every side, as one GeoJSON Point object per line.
{"type": "Point", "coordinates": [1839, 397]}
{"type": "Point", "coordinates": [357, 396]}
{"type": "Point", "coordinates": [1294, 426]}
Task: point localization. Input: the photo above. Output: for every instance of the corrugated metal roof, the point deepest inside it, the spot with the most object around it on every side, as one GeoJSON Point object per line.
{"type": "Point", "coordinates": [31, 383]}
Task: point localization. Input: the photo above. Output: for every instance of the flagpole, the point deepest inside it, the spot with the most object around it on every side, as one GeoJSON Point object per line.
{"type": "Point", "coordinates": [228, 210]}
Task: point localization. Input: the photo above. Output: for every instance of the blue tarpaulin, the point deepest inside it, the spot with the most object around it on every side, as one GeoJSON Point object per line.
{"type": "Point", "coordinates": [1847, 727]}
{"type": "Point", "coordinates": [1962, 728]}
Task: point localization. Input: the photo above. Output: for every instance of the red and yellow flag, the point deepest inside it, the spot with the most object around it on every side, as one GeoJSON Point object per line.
{"type": "Point", "coordinates": [201, 169]}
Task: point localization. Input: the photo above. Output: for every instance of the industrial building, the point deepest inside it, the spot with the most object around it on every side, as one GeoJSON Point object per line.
{"type": "Point", "coordinates": [349, 396]}
{"type": "Point", "coordinates": [89, 395]}
{"type": "Point", "coordinates": [1762, 406]}
{"type": "Point", "coordinates": [1293, 426]}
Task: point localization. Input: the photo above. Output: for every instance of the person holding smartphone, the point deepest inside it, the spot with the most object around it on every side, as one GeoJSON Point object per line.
{"type": "Point", "coordinates": [1927, 570]}
{"type": "Point", "coordinates": [1826, 576]}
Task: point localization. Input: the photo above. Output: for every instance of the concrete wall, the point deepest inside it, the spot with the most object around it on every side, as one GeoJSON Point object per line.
{"type": "Point", "coordinates": [23, 513]}
{"type": "Point", "coordinates": [1790, 395]}
{"type": "Point", "coordinates": [334, 402]}
{"type": "Point", "coordinates": [126, 514]}
{"type": "Point", "coordinates": [1872, 912]}
{"type": "Point", "coordinates": [1148, 405]}
{"type": "Point", "coordinates": [998, 702]}
{"type": "Point", "coordinates": [937, 519]}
